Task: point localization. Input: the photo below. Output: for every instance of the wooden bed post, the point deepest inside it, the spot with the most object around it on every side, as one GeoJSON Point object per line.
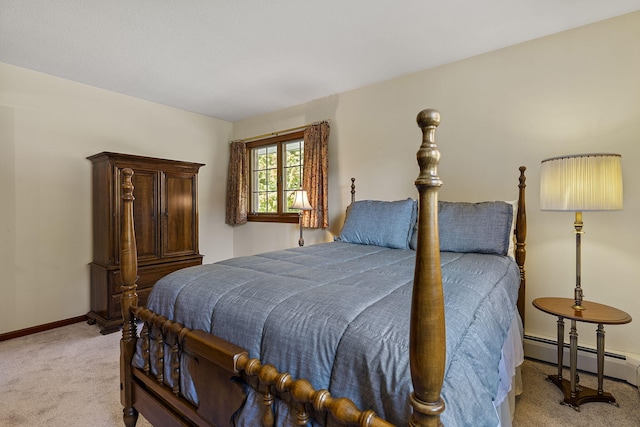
{"type": "Point", "coordinates": [427, 343]}
{"type": "Point", "coordinates": [521, 236]}
{"type": "Point", "coordinates": [128, 272]}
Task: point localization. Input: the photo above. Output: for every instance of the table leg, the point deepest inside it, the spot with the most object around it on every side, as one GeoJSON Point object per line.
{"type": "Point", "coordinates": [560, 346]}
{"type": "Point", "coordinates": [573, 356]}
{"type": "Point", "coordinates": [600, 340]}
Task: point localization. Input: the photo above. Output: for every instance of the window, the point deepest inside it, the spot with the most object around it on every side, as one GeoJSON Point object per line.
{"type": "Point", "coordinates": [275, 170]}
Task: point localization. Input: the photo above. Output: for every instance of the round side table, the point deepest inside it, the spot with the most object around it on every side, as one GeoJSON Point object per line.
{"type": "Point", "coordinates": [600, 314]}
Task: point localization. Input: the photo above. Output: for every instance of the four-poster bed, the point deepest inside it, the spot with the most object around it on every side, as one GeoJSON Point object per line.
{"type": "Point", "coordinates": [357, 344]}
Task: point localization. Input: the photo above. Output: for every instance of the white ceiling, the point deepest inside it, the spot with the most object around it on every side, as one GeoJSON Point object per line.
{"type": "Point", "coordinates": [237, 59]}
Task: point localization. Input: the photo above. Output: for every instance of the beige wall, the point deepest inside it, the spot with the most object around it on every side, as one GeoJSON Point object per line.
{"type": "Point", "coordinates": [572, 92]}
{"type": "Point", "coordinates": [48, 126]}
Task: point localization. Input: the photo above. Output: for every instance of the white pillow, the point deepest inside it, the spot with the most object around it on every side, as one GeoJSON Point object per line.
{"type": "Point", "coordinates": [511, 252]}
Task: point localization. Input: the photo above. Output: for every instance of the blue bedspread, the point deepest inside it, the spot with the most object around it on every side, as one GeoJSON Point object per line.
{"type": "Point", "coordinates": [338, 314]}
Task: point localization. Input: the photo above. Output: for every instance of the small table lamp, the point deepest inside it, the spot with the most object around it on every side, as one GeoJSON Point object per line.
{"type": "Point", "coordinates": [301, 202]}
{"type": "Point", "coordinates": [578, 183]}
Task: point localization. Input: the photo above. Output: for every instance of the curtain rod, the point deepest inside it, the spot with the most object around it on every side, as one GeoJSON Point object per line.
{"type": "Point", "coordinates": [281, 132]}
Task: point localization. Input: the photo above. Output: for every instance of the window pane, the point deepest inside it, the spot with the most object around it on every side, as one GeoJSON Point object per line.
{"type": "Point", "coordinates": [272, 202]}
{"type": "Point", "coordinates": [272, 180]}
{"type": "Point", "coordinates": [293, 178]}
{"type": "Point", "coordinates": [291, 195]}
{"type": "Point", "coordinates": [293, 153]}
{"type": "Point", "coordinates": [272, 157]}
{"type": "Point", "coordinates": [293, 158]}
{"type": "Point", "coordinates": [260, 184]}
{"type": "Point", "coordinates": [258, 158]}
{"type": "Point", "coordinates": [262, 202]}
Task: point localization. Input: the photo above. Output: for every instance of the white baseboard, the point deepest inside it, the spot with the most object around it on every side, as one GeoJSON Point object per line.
{"type": "Point", "coordinates": [622, 366]}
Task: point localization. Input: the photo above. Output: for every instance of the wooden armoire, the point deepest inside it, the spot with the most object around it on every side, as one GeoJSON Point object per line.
{"type": "Point", "coordinates": [166, 225]}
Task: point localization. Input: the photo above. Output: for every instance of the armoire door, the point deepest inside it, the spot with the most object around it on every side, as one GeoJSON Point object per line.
{"type": "Point", "coordinates": [146, 183]}
{"type": "Point", "coordinates": [180, 211]}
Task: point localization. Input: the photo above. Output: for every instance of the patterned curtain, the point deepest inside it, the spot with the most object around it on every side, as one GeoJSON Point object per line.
{"type": "Point", "coordinates": [315, 175]}
{"type": "Point", "coordinates": [237, 184]}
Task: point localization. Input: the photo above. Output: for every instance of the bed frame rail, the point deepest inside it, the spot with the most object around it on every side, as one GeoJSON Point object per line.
{"type": "Point", "coordinates": [211, 360]}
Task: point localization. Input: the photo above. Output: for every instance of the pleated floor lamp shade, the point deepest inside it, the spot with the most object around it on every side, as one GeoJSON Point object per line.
{"type": "Point", "coordinates": [581, 183]}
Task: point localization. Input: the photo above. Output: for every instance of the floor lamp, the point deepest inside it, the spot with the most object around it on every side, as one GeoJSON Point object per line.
{"type": "Point", "coordinates": [301, 202]}
{"type": "Point", "coordinates": [579, 183]}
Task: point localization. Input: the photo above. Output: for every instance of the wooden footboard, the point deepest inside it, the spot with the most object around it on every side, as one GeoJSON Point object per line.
{"type": "Point", "coordinates": [219, 367]}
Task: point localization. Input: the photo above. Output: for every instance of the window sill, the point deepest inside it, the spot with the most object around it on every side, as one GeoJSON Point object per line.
{"type": "Point", "coordinates": [287, 219]}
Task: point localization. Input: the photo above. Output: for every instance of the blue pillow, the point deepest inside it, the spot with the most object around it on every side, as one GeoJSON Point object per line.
{"type": "Point", "coordinates": [483, 227]}
{"type": "Point", "coordinates": [373, 222]}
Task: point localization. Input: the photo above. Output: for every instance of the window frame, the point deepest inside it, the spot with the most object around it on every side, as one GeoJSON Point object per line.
{"type": "Point", "coordinates": [280, 141]}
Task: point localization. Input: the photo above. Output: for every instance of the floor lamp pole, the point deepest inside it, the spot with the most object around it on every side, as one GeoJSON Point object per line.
{"type": "Point", "coordinates": [300, 240]}
{"type": "Point", "coordinates": [577, 293]}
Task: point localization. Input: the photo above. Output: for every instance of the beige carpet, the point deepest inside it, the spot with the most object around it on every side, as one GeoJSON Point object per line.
{"type": "Point", "coordinates": [63, 377]}
{"type": "Point", "coordinates": [539, 405]}
{"type": "Point", "coordinates": [69, 377]}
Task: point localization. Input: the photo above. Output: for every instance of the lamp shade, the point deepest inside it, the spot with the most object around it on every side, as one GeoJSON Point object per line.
{"type": "Point", "coordinates": [301, 201]}
{"type": "Point", "coordinates": [581, 182]}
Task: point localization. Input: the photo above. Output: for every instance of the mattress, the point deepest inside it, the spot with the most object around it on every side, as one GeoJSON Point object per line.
{"type": "Point", "coordinates": [338, 315]}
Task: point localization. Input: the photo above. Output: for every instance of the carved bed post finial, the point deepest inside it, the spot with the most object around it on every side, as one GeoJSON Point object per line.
{"type": "Point", "coordinates": [129, 298]}
{"type": "Point", "coordinates": [427, 343]}
{"type": "Point", "coordinates": [428, 154]}
{"type": "Point", "coordinates": [353, 190]}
